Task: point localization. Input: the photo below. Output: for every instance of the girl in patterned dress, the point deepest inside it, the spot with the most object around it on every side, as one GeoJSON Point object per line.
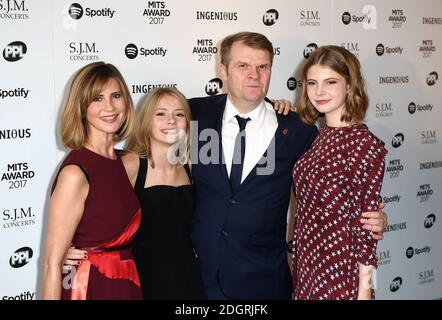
{"type": "Point", "coordinates": [336, 180]}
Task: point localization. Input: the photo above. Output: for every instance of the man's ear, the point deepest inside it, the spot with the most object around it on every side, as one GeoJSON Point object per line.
{"type": "Point", "coordinates": [223, 71]}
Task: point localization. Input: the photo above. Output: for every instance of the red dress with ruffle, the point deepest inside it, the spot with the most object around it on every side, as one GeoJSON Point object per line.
{"type": "Point", "coordinates": [110, 219]}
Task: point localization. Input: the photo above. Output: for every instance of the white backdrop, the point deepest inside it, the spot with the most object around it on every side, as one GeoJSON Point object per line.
{"type": "Point", "coordinates": [399, 44]}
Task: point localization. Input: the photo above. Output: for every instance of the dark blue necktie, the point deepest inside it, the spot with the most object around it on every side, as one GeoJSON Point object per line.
{"type": "Point", "coordinates": [238, 154]}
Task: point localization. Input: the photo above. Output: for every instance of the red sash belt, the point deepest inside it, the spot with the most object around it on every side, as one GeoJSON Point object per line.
{"type": "Point", "coordinates": [107, 259]}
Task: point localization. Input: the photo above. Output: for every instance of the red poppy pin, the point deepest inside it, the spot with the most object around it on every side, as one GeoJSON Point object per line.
{"type": "Point", "coordinates": [285, 131]}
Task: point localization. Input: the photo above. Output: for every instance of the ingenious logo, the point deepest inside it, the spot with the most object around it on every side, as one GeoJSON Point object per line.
{"type": "Point", "coordinates": [145, 88]}
{"type": "Point", "coordinates": [217, 15]}
{"type": "Point", "coordinates": [12, 134]}
{"type": "Point", "coordinates": [396, 227]}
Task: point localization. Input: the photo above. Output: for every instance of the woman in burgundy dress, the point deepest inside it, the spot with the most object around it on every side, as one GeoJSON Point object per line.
{"type": "Point", "coordinates": [93, 205]}
{"type": "Point", "coordinates": [336, 180]}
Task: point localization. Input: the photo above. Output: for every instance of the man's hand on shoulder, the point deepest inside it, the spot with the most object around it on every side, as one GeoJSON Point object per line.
{"type": "Point", "coordinates": [283, 106]}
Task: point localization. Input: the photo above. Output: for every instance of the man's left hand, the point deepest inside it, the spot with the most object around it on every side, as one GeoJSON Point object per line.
{"type": "Point", "coordinates": [376, 222]}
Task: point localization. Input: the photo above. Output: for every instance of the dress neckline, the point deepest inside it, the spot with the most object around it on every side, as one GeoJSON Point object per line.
{"type": "Point", "coordinates": [327, 128]}
{"type": "Point", "coordinates": [101, 156]}
{"type": "Point", "coordinates": [167, 186]}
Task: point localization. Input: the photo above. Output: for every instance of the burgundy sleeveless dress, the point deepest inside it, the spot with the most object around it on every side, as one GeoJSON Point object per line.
{"type": "Point", "coordinates": [110, 219]}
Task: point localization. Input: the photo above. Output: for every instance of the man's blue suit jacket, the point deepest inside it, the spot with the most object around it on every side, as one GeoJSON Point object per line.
{"type": "Point", "coordinates": [240, 239]}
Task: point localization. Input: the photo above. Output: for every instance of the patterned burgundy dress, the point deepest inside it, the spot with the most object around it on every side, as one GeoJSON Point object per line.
{"type": "Point", "coordinates": [336, 180]}
{"type": "Point", "coordinates": [110, 219]}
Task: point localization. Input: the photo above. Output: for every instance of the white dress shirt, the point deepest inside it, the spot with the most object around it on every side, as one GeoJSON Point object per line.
{"type": "Point", "coordinates": [260, 130]}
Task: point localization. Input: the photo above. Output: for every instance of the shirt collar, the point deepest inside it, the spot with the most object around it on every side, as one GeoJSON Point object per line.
{"type": "Point", "coordinates": [256, 116]}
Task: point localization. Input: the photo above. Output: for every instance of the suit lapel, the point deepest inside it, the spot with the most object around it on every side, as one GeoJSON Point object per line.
{"type": "Point", "coordinates": [279, 139]}
{"type": "Point", "coordinates": [220, 106]}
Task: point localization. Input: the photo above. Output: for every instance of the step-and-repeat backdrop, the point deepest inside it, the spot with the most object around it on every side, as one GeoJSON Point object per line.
{"type": "Point", "coordinates": [174, 43]}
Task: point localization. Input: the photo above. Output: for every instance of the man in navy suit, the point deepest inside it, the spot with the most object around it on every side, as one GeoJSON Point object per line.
{"type": "Point", "coordinates": [242, 174]}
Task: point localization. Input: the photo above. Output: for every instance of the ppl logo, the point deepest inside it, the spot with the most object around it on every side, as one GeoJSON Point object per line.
{"type": "Point", "coordinates": [270, 17]}
{"type": "Point", "coordinates": [309, 49]}
{"type": "Point", "coordinates": [396, 284]}
{"type": "Point", "coordinates": [131, 51]}
{"type": "Point", "coordinates": [397, 140]}
{"type": "Point", "coordinates": [214, 86]}
{"type": "Point", "coordinates": [14, 51]}
{"type": "Point", "coordinates": [76, 11]}
{"type": "Point", "coordinates": [21, 257]}
{"type": "Point", "coordinates": [429, 221]}
{"type": "Point", "coordinates": [432, 78]}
